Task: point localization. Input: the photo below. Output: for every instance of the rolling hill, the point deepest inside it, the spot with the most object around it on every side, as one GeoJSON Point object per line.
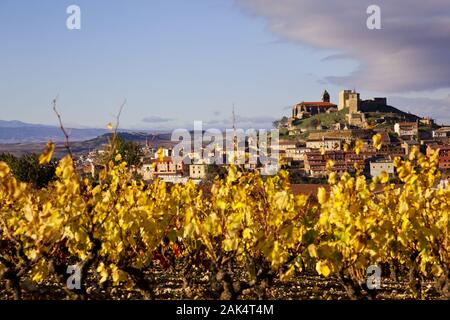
{"type": "Point", "coordinates": [20, 132]}
{"type": "Point", "coordinates": [82, 147]}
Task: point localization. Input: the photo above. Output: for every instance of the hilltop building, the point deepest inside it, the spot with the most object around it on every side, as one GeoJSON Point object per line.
{"type": "Point", "coordinates": [356, 119]}
{"type": "Point", "coordinates": [427, 121]}
{"type": "Point", "coordinates": [307, 109]}
{"type": "Point", "coordinates": [349, 99]}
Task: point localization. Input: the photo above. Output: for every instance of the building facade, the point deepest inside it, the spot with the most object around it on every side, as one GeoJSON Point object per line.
{"type": "Point", "coordinates": [153, 168]}
{"type": "Point", "coordinates": [377, 167]}
{"type": "Point", "coordinates": [316, 162]}
{"type": "Point", "coordinates": [328, 144]}
{"type": "Point", "coordinates": [307, 109]}
{"type": "Point", "coordinates": [444, 154]}
{"type": "Point", "coordinates": [407, 129]}
{"type": "Point", "coordinates": [349, 99]}
{"type": "Point", "coordinates": [443, 132]}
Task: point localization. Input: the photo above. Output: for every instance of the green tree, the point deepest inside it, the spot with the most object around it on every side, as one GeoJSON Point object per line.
{"type": "Point", "coordinates": [130, 151]}
{"type": "Point", "coordinates": [278, 124]}
{"type": "Point", "coordinates": [28, 169]}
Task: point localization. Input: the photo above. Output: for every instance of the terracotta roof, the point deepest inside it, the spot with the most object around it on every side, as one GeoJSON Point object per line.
{"type": "Point", "coordinates": [308, 189]}
{"type": "Point", "coordinates": [165, 173]}
{"type": "Point", "coordinates": [325, 139]}
{"type": "Point", "coordinates": [286, 142]}
{"type": "Point", "coordinates": [443, 129]}
{"type": "Point", "coordinates": [318, 104]}
{"type": "Point", "coordinates": [408, 124]}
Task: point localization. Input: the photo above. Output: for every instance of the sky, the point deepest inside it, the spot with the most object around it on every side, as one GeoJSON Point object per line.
{"type": "Point", "coordinates": [177, 61]}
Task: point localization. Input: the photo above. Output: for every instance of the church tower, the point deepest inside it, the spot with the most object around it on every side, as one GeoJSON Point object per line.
{"type": "Point", "coordinates": [349, 99]}
{"type": "Point", "coordinates": [325, 96]}
{"type": "Point", "coordinates": [353, 102]}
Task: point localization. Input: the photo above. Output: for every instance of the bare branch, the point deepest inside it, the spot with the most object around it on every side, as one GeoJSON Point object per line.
{"type": "Point", "coordinates": [114, 136]}
{"type": "Point", "coordinates": [66, 135]}
{"type": "Point", "coordinates": [119, 113]}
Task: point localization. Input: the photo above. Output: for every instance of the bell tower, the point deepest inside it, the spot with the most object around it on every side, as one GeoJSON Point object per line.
{"type": "Point", "coordinates": [325, 96]}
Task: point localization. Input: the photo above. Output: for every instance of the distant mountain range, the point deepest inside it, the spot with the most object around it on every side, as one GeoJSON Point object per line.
{"type": "Point", "coordinates": [21, 132]}
{"type": "Point", "coordinates": [19, 138]}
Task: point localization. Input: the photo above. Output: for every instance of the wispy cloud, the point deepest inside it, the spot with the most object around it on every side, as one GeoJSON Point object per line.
{"type": "Point", "coordinates": [339, 56]}
{"type": "Point", "coordinates": [409, 53]}
{"type": "Point", "coordinates": [156, 119]}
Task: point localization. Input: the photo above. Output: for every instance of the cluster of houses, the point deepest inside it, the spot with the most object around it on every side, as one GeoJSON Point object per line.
{"type": "Point", "coordinates": [159, 161]}
{"type": "Point", "coordinates": [152, 165]}
{"type": "Point", "coordinates": [308, 157]}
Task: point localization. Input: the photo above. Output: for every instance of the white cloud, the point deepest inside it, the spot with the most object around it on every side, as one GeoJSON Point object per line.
{"type": "Point", "coordinates": [156, 119]}
{"type": "Point", "coordinates": [409, 53]}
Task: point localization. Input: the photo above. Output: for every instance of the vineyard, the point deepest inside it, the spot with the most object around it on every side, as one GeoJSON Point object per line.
{"type": "Point", "coordinates": [245, 237]}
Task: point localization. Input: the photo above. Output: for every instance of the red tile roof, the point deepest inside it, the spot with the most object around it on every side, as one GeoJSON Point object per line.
{"type": "Point", "coordinates": [319, 104]}
{"type": "Point", "coordinates": [408, 124]}
{"type": "Point", "coordinates": [308, 189]}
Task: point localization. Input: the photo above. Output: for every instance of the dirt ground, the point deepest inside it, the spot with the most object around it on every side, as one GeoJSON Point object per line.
{"type": "Point", "coordinates": [170, 287]}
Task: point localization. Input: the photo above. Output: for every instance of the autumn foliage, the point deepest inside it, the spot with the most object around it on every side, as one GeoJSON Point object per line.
{"type": "Point", "coordinates": [241, 235]}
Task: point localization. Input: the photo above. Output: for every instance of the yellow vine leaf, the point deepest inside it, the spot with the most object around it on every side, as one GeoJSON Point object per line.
{"type": "Point", "coordinates": [322, 195]}
{"type": "Point", "coordinates": [358, 146]}
{"type": "Point", "coordinates": [4, 169]}
{"type": "Point", "coordinates": [160, 154]}
{"type": "Point", "coordinates": [312, 250]}
{"type": "Point", "coordinates": [376, 139]}
{"type": "Point", "coordinates": [346, 147]}
{"type": "Point", "coordinates": [46, 156]}
{"type": "Point", "coordinates": [384, 177]}
{"type": "Point", "coordinates": [103, 271]}
{"type": "Point", "coordinates": [323, 268]}
{"type": "Point", "coordinates": [330, 164]}
{"type": "Point", "coordinates": [288, 274]}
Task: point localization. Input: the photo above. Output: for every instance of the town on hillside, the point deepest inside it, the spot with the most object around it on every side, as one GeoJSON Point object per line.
{"type": "Point", "coordinates": [313, 134]}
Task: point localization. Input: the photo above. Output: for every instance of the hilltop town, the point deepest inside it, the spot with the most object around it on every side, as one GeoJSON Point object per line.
{"type": "Point", "coordinates": [313, 134]}
{"type": "Point", "coordinates": [320, 131]}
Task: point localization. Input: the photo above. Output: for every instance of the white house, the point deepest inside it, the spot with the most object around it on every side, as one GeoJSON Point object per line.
{"type": "Point", "coordinates": [441, 132]}
{"type": "Point", "coordinates": [406, 129]}
{"type": "Point", "coordinates": [326, 143]}
{"type": "Point", "coordinates": [378, 166]}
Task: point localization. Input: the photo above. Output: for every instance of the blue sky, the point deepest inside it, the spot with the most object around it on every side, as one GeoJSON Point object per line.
{"type": "Point", "coordinates": [175, 61]}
